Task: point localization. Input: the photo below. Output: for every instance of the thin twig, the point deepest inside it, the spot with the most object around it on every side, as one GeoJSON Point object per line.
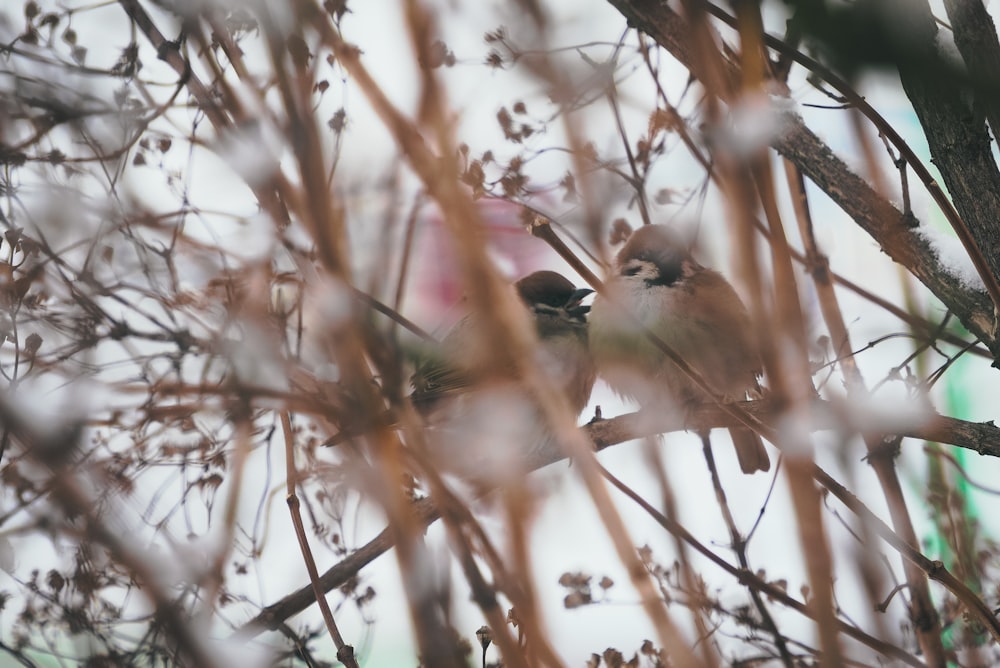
{"type": "Point", "coordinates": [739, 547]}
{"type": "Point", "coordinates": [345, 652]}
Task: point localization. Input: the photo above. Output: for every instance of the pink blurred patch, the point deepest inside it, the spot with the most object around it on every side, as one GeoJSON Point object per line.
{"type": "Point", "coordinates": [435, 285]}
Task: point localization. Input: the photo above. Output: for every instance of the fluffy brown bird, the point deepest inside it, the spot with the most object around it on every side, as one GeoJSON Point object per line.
{"type": "Point", "coordinates": [692, 309]}
{"type": "Point", "coordinates": [484, 426]}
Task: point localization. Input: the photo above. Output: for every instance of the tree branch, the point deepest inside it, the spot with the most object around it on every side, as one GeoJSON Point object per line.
{"type": "Point", "coordinates": [981, 437]}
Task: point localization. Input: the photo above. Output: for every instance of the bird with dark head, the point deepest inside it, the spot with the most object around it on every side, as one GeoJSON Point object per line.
{"type": "Point", "coordinates": [661, 288]}
{"type": "Point", "coordinates": [484, 426]}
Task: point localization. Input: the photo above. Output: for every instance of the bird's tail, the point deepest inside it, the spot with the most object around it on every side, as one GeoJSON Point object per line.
{"type": "Point", "coordinates": [750, 450]}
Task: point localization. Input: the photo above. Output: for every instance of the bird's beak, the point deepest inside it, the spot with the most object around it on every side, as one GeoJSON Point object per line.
{"type": "Point", "coordinates": [573, 305]}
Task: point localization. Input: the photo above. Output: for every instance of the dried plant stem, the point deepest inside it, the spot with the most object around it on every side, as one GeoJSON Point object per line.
{"type": "Point", "coordinates": [485, 596]}
{"type": "Point", "coordinates": [237, 465]}
{"type": "Point", "coordinates": [517, 508]}
{"type": "Point", "coordinates": [638, 181]}
{"type": "Point", "coordinates": [467, 538]}
{"type": "Point", "coordinates": [790, 380]}
{"type": "Point", "coordinates": [272, 616]}
{"type": "Point", "coordinates": [345, 652]}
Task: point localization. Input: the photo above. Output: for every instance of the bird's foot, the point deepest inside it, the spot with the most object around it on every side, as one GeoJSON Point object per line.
{"type": "Point", "coordinates": [598, 416]}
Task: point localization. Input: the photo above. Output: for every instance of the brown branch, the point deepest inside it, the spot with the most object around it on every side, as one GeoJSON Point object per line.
{"type": "Point", "coordinates": [739, 547]}
{"type": "Point", "coordinates": [980, 437]}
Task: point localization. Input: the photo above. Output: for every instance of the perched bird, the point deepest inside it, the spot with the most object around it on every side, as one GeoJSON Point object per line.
{"type": "Point", "coordinates": [694, 310]}
{"type": "Point", "coordinates": [483, 425]}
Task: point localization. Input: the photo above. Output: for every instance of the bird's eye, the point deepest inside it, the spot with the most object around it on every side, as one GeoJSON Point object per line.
{"type": "Point", "coordinates": [630, 271]}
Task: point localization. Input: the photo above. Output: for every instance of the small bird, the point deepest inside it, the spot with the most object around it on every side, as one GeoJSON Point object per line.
{"type": "Point", "coordinates": [692, 309]}
{"type": "Point", "coordinates": [483, 425]}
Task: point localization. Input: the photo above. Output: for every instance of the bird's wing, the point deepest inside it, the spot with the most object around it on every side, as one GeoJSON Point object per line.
{"type": "Point", "coordinates": [434, 378]}
{"type": "Point", "coordinates": [443, 370]}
